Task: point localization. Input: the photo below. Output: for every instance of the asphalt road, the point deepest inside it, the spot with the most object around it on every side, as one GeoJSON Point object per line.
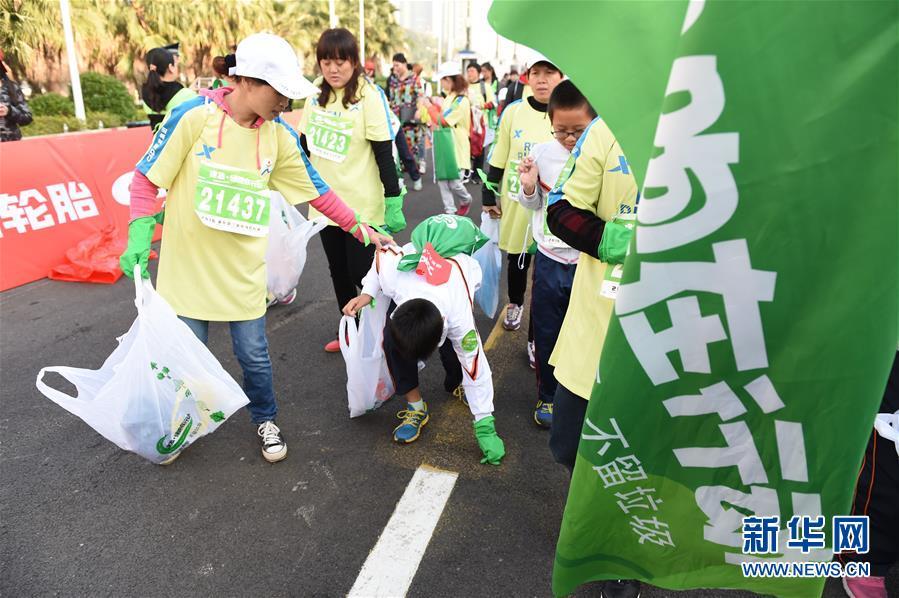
{"type": "Point", "coordinates": [82, 518]}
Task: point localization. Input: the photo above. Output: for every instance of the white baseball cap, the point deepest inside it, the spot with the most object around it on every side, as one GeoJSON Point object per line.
{"type": "Point", "coordinates": [270, 58]}
{"type": "Point", "coordinates": [533, 57]}
{"type": "Point", "coordinates": [448, 69]}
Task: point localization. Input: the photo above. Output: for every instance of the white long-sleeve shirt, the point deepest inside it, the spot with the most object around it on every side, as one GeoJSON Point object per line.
{"type": "Point", "coordinates": [550, 158]}
{"type": "Point", "coordinates": [454, 299]}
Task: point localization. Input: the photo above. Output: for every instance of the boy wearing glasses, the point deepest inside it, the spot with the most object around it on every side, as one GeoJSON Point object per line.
{"type": "Point", "coordinates": [523, 125]}
{"type": "Point", "coordinates": [591, 207]}
{"type": "Point", "coordinates": [570, 113]}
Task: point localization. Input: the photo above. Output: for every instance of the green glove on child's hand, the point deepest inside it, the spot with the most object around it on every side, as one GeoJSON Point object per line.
{"type": "Point", "coordinates": [140, 235]}
{"type": "Point", "coordinates": [491, 445]}
{"type": "Point", "coordinates": [615, 239]}
{"type": "Point", "coordinates": [393, 212]}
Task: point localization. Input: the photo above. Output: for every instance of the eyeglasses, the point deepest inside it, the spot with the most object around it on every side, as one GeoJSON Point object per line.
{"type": "Point", "coordinates": [563, 135]}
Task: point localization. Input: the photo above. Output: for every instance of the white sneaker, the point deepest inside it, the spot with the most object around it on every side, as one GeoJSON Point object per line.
{"type": "Point", "coordinates": [274, 448]}
{"type": "Point", "coordinates": [416, 185]}
{"type": "Point", "coordinates": [512, 320]}
{"type": "Point", "coordinates": [532, 355]}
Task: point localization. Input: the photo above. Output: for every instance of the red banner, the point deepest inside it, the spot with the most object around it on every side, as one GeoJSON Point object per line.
{"type": "Point", "coordinates": [58, 190]}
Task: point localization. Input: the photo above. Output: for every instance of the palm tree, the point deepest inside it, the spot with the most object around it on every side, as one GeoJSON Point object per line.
{"type": "Point", "coordinates": [112, 36]}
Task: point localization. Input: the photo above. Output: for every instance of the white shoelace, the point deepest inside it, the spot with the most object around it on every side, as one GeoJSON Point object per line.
{"type": "Point", "coordinates": [513, 313]}
{"type": "Point", "coordinates": [269, 433]}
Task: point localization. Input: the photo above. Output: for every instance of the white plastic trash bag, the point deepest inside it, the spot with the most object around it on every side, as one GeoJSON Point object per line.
{"type": "Point", "coordinates": [887, 425]}
{"type": "Point", "coordinates": [490, 259]}
{"type": "Point", "coordinates": [158, 392]}
{"type": "Point", "coordinates": [289, 233]}
{"type": "Point", "coordinates": [489, 136]}
{"type": "Point", "coordinates": [369, 383]}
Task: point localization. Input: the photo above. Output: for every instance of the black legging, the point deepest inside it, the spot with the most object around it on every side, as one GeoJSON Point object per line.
{"type": "Point", "coordinates": [349, 262]}
{"type": "Point", "coordinates": [518, 277]}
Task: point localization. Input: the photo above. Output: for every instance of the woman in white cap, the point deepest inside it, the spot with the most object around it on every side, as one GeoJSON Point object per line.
{"type": "Point", "coordinates": [456, 114]}
{"type": "Point", "coordinates": [348, 132]}
{"type": "Point", "coordinates": [217, 155]}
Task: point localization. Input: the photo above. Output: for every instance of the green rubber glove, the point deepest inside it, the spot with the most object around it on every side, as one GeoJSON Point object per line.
{"type": "Point", "coordinates": [615, 239]}
{"type": "Point", "coordinates": [140, 235]}
{"type": "Point", "coordinates": [393, 212]}
{"type": "Point", "coordinates": [491, 445]}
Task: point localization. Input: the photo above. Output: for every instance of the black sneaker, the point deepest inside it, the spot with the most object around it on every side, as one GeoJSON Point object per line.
{"type": "Point", "coordinates": [621, 588]}
{"type": "Point", "coordinates": [274, 448]}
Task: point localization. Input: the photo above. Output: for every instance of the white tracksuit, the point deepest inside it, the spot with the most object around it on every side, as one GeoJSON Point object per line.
{"type": "Point", "coordinates": [454, 299]}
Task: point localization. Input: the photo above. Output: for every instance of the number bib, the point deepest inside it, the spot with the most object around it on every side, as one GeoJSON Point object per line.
{"type": "Point", "coordinates": [514, 179]}
{"type": "Point", "coordinates": [232, 200]}
{"type": "Point", "coordinates": [611, 281]}
{"type": "Point", "coordinates": [328, 135]}
{"type": "Point", "coordinates": [549, 239]}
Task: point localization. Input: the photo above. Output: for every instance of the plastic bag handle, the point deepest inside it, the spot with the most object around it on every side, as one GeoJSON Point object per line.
{"type": "Point", "coordinates": [348, 334]}
{"type": "Point", "coordinates": [138, 288]}
{"type": "Point", "coordinates": [141, 286]}
{"type": "Point", "coordinates": [318, 223]}
{"type": "Point", "coordinates": [490, 227]}
{"type": "Point", "coordinates": [51, 393]}
{"type": "Point", "coordinates": [882, 424]}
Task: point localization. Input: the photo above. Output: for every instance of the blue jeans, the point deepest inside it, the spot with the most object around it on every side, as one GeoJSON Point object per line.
{"type": "Point", "coordinates": [550, 294]}
{"type": "Point", "coordinates": [251, 349]}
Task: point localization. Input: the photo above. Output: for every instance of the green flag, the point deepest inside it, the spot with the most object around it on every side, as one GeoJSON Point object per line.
{"type": "Point", "coordinates": [756, 320]}
{"type": "Point", "coordinates": [617, 53]}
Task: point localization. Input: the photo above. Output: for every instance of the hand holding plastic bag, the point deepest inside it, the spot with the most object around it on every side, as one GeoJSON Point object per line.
{"type": "Point", "coordinates": [140, 236]}
{"type": "Point", "coordinates": [369, 383]}
{"type": "Point", "coordinates": [158, 392]}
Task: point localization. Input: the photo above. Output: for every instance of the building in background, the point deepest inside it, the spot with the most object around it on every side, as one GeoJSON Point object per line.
{"type": "Point", "coordinates": [455, 23]}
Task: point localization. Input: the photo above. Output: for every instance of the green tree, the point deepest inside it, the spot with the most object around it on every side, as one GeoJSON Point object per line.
{"type": "Point", "coordinates": [113, 36]}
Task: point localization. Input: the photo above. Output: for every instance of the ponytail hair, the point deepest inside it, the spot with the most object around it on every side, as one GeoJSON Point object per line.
{"type": "Point", "coordinates": [460, 84]}
{"type": "Point", "coordinates": [158, 62]}
{"type": "Point", "coordinates": [223, 64]}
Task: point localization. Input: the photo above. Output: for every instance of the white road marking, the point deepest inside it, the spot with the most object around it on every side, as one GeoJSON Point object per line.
{"type": "Point", "coordinates": [392, 563]}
